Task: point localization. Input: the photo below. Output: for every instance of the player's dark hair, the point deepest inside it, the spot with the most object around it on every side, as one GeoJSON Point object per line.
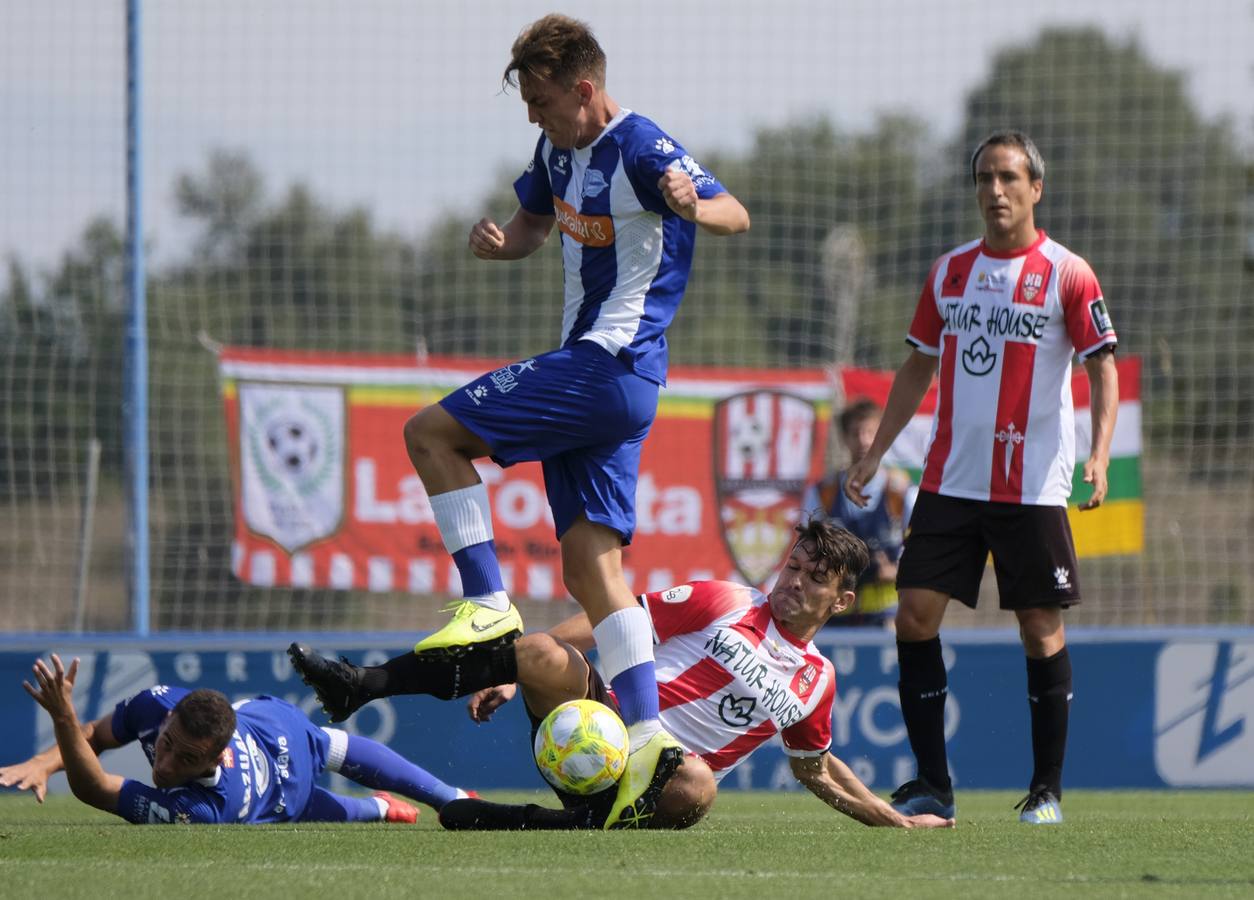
{"type": "Point", "coordinates": [556, 48]}
{"type": "Point", "coordinates": [834, 549]}
{"type": "Point", "coordinates": [205, 714]}
{"type": "Point", "coordinates": [858, 412]}
{"type": "Point", "coordinates": [1011, 138]}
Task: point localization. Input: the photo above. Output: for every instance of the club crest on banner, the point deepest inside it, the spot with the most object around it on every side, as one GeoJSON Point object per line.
{"type": "Point", "coordinates": [292, 453]}
{"type": "Point", "coordinates": [763, 449]}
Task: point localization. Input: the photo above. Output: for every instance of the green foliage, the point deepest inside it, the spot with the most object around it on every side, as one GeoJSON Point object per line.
{"type": "Point", "coordinates": [1155, 196]}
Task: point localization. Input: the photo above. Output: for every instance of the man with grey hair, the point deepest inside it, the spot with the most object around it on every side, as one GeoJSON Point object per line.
{"type": "Point", "coordinates": [1001, 318]}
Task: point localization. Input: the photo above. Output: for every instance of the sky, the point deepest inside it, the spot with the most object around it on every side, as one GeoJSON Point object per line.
{"type": "Point", "coordinates": [396, 105]}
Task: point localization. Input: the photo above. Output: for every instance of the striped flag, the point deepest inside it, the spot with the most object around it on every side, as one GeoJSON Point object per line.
{"type": "Point", "coordinates": [1118, 525]}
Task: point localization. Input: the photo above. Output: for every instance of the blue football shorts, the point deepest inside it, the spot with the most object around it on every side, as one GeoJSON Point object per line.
{"type": "Point", "coordinates": [582, 413]}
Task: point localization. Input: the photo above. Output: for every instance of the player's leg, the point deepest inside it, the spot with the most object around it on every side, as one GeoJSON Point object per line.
{"type": "Point", "coordinates": [944, 558]}
{"type": "Point", "coordinates": [1049, 703]}
{"type": "Point", "coordinates": [683, 802]}
{"type": "Point", "coordinates": [923, 688]}
{"type": "Point", "coordinates": [549, 671]}
{"type": "Point", "coordinates": [592, 568]}
{"type": "Point", "coordinates": [442, 449]}
{"type": "Point", "coordinates": [483, 815]}
{"type": "Point", "coordinates": [377, 766]}
{"type": "Point", "coordinates": [324, 806]}
{"type": "Point", "coordinates": [1034, 557]}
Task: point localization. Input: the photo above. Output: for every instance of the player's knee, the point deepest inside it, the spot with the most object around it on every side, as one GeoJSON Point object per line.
{"type": "Point", "coordinates": [540, 656]}
{"type": "Point", "coordinates": [687, 797]}
{"type": "Point", "coordinates": [1041, 631]}
{"type": "Point", "coordinates": [418, 434]}
{"type": "Point", "coordinates": [917, 621]}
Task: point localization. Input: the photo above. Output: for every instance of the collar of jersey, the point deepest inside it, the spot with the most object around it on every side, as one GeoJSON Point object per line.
{"type": "Point", "coordinates": [623, 112]}
{"type": "Point", "coordinates": [212, 780]}
{"type": "Point", "coordinates": [1012, 254]}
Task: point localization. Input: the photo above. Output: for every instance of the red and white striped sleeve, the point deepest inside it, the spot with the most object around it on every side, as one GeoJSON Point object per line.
{"type": "Point", "coordinates": [692, 607]}
{"type": "Point", "coordinates": [925, 329]}
{"type": "Point", "coordinates": [1084, 308]}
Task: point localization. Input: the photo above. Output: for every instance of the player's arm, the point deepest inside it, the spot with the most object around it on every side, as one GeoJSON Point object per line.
{"type": "Point", "coordinates": [88, 780]}
{"type": "Point", "coordinates": [33, 774]}
{"type": "Point", "coordinates": [1104, 408]}
{"type": "Point", "coordinates": [910, 385]}
{"type": "Point", "coordinates": [721, 214]}
{"type": "Point", "coordinates": [834, 783]}
{"type": "Point", "coordinates": [521, 236]}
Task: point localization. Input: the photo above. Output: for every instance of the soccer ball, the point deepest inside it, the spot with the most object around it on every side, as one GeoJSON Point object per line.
{"type": "Point", "coordinates": [581, 747]}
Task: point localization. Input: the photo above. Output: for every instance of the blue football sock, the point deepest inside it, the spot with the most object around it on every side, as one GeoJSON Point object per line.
{"type": "Point", "coordinates": [325, 806]}
{"type": "Point", "coordinates": [375, 766]}
{"type": "Point", "coordinates": [479, 569]}
{"type": "Point", "coordinates": [636, 692]}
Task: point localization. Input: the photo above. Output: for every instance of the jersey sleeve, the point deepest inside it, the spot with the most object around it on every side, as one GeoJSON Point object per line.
{"type": "Point", "coordinates": [141, 804]}
{"type": "Point", "coordinates": [145, 711]}
{"type": "Point", "coordinates": [925, 329]}
{"type": "Point", "coordinates": [1084, 308]}
{"type": "Point", "coordinates": [691, 607]}
{"type": "Point", "coordinates": [535, 193]}
{"type": "Point", "coordinates": [812, 736]}
{"type": "Point", "coordinates": [648, 154]}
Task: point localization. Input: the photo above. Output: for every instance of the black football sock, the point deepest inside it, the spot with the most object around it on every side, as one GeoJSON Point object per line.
{"type": "Point", "coordinates": [480, 815]}
{"type": "Point", "coordinates": [1049, 698]}
{"type": "Point", "coordinates": [923, 688]}
{"type": "Point", "coordinates": [443, 677]}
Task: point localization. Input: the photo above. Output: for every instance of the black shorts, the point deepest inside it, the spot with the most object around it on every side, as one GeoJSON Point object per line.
{"type": "Point", "coordinates": [950, 539]}
{"type": "Point", "coordinates": [602, 800]}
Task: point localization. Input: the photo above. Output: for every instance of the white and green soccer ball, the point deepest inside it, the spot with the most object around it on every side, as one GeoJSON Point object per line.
{"type": "Point", "coordinates": [581, 747]}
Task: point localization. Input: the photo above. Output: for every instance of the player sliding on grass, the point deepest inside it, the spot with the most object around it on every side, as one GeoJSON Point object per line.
{"type": "Point", "coordinates": [736, 668]}
{"type": "Point", "coordinates": [626, 198]}
{"type": "Point", "coordinates": [252, 763]}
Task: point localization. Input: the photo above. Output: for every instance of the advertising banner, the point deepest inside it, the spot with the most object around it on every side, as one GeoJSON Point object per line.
{"type": "Point", "coordinates": [325, 495]}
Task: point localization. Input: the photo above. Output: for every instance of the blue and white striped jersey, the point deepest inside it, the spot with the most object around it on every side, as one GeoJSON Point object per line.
{"type": "Point", "coordinates": [626, 254]}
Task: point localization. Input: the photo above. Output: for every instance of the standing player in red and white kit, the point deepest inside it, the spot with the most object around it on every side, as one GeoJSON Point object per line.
{"type": "Point", "coordinates": [735, 668]}
{"type": "Point", "coordinates": [1002, 317]}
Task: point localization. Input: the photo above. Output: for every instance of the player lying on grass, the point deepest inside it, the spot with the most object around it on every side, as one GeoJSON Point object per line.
{"type": "Point", "coordinates": [252, 763]}
{"type": "Point", "coordinates": [734, 669]}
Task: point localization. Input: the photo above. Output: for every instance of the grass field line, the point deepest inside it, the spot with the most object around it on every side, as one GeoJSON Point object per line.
{"type": "Point", "coordinates": [722, 872]}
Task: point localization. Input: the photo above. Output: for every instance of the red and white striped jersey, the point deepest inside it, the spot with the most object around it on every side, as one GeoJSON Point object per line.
{"type": "Point", "coordinates": [1005, 326]}
{"type": "Point", "coordinates": [729, 678]}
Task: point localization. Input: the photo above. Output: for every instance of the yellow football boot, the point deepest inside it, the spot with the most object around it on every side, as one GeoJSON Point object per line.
{"type": "Point", "coordinates": [472, 626]}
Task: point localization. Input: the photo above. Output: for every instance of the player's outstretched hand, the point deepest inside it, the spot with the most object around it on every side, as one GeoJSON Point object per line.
{"type": "Point", "coordinates": [1095, 474]}
{"type": "Point", "coordinates": [679, 193]}
{"type": "Point", "coordinates": [928, 821]}
{"type": "Point", "coordinates": [55, 691]}
{"type": "Point", "coordinates": [857, 477]}
{"type": "Point", "coordinates": [484, 703]}
{"type": "Point", "coordinates": [26, 776]}
{"type": "Point", "coordinates": [486, 239]}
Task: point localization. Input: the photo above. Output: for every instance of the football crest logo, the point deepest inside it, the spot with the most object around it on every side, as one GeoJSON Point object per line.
{"type": "Point", "coordinates": [292, 453]}
{"type": "Point", "coordinates": [1032, 282]}
{"type": "Point", "coordinates": [763, 448]}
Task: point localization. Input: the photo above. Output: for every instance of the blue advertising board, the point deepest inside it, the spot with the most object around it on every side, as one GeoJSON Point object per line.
{"type": "Point", "coordinates": [1151, 709]}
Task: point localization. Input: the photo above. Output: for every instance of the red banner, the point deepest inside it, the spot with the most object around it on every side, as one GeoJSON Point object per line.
{"type": "Point", "coordinates": [325, 495]}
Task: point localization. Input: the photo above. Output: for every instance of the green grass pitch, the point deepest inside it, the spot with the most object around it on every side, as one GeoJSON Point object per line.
{"type": "Point", "coordinates": [759, 845]}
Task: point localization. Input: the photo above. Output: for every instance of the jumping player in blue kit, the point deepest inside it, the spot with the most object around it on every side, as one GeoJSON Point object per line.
{"type": "Point", "coordinates": [627, 199]}
{"type": "Point", "coordinates": [254, 762]}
